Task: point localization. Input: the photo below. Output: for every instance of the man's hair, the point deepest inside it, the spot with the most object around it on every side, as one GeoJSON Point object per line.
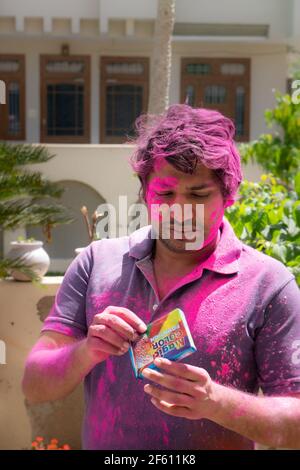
{"type": "Point", "coordinates": [185, 136]}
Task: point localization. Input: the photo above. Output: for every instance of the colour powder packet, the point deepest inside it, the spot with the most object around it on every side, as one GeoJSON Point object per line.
{"type": "Point", "coordinates": [168, 336]}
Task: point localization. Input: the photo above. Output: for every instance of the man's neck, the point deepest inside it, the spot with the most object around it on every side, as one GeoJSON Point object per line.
{"type": "Point", "coordinates": [166, 257]}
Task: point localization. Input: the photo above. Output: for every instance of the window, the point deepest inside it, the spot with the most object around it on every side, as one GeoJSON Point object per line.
{"type": "Point", "coordinates": [124, 96]}
{"type": "Point", "coordinates": [65, 99]}
{"type": "Point", "coordinates": [12, 115]}
{"type": "Point", "coordinates": [222, 84]}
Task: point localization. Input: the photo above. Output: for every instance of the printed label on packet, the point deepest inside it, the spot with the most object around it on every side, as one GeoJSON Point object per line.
{"type": "Point", "coordinates": [168, 336]}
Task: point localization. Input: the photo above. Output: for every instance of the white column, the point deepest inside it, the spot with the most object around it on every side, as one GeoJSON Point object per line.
{"type": "Point", "coordinates": [75, 25]}
{"type": "Point", "coordinates": [129, 27]}
{"type": "Point", "coordinates": [19, 24]}
{"type": "Point", "coordinates": [47, 24]}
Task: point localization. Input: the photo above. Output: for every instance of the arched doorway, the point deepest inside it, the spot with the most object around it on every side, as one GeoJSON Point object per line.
{"type": "Point", "coordinates": [65, 238]}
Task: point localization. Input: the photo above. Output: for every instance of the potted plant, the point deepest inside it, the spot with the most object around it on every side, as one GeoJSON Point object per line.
{"type": "Point", "coordinates": [27, 199]}
{"type": "Point", "coordinates": [32, 254]}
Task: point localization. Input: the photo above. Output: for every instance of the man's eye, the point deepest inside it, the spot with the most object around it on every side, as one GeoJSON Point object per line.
{"type": "Point", "coordinates": [200, 195]}
{"type": "Point", "coordinates": [164, 194]}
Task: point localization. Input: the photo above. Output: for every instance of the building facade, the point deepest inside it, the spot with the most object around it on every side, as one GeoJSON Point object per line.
{"type": "Point", "coordinates": [77, 75]}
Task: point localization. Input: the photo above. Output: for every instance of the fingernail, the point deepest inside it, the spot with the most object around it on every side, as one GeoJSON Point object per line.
{"type": "Point", "coordinates": [142, 327]}
{"type": "Point", "coordinates": [145, 372]}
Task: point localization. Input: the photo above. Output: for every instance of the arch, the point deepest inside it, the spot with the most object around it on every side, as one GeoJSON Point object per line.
{"type": "Point", "coordinates": [67, 237]}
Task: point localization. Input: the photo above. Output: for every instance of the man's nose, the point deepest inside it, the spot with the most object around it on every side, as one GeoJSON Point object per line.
{"type": "Point", "coordinates": [183, 212]}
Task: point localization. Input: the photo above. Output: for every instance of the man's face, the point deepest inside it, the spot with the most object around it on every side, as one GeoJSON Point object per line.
{"type": "Point", "coordinates": [167, 185]}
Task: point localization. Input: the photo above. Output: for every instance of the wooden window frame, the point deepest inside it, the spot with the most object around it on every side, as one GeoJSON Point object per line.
{"type": "Point", "coordinates": [19, 77]}
{"type": "Point", "coordinates": [231, 81]}
{"type": "Point", "coordinates": [58, 77]}
{"type": "Point", "coordinates": [122, 79]}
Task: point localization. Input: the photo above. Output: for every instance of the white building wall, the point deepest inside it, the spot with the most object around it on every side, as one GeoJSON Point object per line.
{"type": "Point", "coordinates": [268, 72]}
{"type": "Point", "coordinates": [295, 21]}
{"type": "Point", "coordinates": [105, 168]}
{"type": "Point", "coordinates": [273, 12]}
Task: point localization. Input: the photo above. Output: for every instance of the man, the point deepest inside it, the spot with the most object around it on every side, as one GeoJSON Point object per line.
{"type": "Point", "coordinates": [242, 308]}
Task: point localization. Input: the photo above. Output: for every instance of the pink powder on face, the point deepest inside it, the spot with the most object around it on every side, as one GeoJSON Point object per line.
{"type": "Point", "coordinates": [158, 184]}
{"type": "Point", "coordinates": [159, 164]}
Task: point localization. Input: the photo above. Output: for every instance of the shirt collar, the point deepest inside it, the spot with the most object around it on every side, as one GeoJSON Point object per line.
{"type": "Point", "coordinates": [224, 259]}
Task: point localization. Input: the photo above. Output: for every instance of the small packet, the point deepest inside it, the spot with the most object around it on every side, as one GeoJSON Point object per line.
{"type": "Point", "coordinates": [168, 336]}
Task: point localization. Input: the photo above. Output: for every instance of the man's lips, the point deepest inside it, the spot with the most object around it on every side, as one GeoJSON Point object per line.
{"type": "Point", "coordinates": [180, 233]}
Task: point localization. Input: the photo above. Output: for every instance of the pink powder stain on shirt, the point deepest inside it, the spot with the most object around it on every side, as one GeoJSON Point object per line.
{"type": "Point", "coordinates": [98, 303]}
{"type": "Point", "coordinates": [166, 438]}
{"type": "Point", "coordinates": [214, 345]}
{"type": "Point", "coordinates": [225, 370]}
{"type": "Point", "coordinates": [110, 425]}
{"type": "Point", "coordinates": [110, 370]}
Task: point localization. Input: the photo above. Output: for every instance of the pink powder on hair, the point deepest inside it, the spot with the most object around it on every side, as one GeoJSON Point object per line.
{"type": "Point", "coordinates": [185, 136]}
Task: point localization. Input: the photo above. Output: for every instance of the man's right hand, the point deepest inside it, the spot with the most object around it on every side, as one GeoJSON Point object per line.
{"type": "Point", "coordinates": [111, 332]}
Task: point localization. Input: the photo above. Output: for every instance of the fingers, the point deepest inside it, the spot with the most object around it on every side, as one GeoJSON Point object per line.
{"type": "Point", "coordinates": [179, 399]}
{"type": "Point", "coordinates": [169, 381]}
{"type": "Point", "coordinates": [116, 324]}
{"type": "Point", "coordinates": [172, 410]}
{"type": "Point", "coordinates": [108, 335]}
{"type": "Point", "coordinates": [113, 329]}
{"type": "Point", "coordinates": [127, 324]}
{"type": "Point", "coordinates": [129, 317]}
{"type": "Point", "coordinates": [185, 371]}
{"type": "Point", "coordinates": [98, 345]}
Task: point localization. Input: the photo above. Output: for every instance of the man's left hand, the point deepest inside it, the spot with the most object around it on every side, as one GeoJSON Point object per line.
{"type": "Point", "coordinates": [189, 391]}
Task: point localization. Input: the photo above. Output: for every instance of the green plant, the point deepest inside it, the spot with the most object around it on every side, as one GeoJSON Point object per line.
{"type": "Point", "coordinates": [27, 198]}
{"type": "Point", "coordinates": [267, 214]}
{"type": "Point", "coordinates": [267, 217]}
{"type": "Point", "coordinates": [21, 239]}
{"type": "Point", "coordinates": [278, 153]}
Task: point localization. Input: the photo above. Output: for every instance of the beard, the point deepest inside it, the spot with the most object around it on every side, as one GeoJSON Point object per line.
{"type": "Point", "coordinates": [176, 246]}
{"type": "Point", "coordinates": [176, 240]}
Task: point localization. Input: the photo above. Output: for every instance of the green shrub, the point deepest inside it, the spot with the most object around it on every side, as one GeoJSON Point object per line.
{"type": "Point", "coordinates": [267, 217]}
{"type": "Point", "coordinates": [267, 214]}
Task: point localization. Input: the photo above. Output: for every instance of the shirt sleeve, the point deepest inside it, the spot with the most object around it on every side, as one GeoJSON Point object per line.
{"type": "Point", "coordinates": [277, 344]}
{"type": "Point", "coordinates": [68, 313]}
